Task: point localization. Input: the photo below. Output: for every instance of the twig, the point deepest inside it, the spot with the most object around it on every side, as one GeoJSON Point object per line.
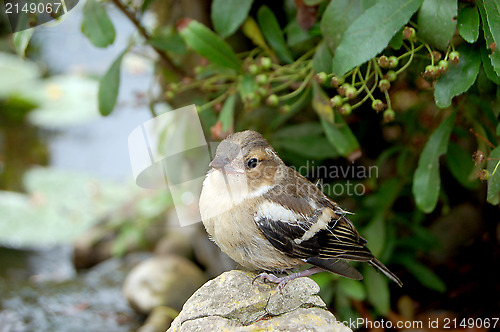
{"type": "Point", "coordinates": [482, 138]}
{"type": "Point", "coordinates": [133, 18]}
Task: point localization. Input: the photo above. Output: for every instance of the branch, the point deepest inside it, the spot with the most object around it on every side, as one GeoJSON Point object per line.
{"type": "Point", "coordinates": [133, 18]}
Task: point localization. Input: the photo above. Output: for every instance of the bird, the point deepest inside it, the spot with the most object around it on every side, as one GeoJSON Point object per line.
{"type": "Point", "coordinates": [269, 218]}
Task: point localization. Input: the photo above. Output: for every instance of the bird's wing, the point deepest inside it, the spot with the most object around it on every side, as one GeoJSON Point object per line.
{"type": "Point", "coordinates": [303, 223]}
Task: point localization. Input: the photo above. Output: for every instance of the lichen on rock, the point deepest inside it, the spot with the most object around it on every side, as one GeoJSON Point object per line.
{"type": "Point", "coordinates": [232, 302]}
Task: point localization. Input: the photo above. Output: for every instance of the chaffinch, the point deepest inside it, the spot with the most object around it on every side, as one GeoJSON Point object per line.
{"type": "Point", "coordinates": [267, 217]}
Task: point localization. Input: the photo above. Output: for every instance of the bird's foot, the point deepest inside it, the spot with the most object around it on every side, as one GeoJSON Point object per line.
{"type": "Point", "coordinates": [274, 279]}
{"type": "Point", "coordinates": [284, 280]}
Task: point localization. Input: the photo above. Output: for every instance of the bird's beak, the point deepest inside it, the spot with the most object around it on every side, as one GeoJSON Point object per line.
{"type": "Point", "coordinates": [219, 162]}
{"type": "Point", "coordinates": [224, 163]}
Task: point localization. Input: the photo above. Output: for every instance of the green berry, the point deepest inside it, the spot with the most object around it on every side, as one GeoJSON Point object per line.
{"type": "Point", "coordinates": [272, 100]}
{"type": "Point", "coordinates": [198, 70]}
{"type": "Point", "coordinates": [393, 62]}
{"type": "Point", "coordinates": [253, 69]}
{"type": "Point", "coordinates": [484, 174]}
{"type": "Point", "coordinates": [173, 87]}
{"type": "Point", "coordinates": [454, 57]}
{"type": "Point", "coordinates": [285, 109]}
{"type": "Point", "coordinates": [336, 81]}
{"type": "Point", "coordinates": [343, 88]}
{"type": "Point", "coordinates": [249, 98]}
{"type": "Point", "coordinates": [336, 101]}
{"type": "Point", "coordinates": [383, 61]}
{"type": "Point", "coordinates": [265, 63]}
{"type": "Point", "coordinates": [442, 67]}
{"type": "Point", "coordinates": [384, 85]}
{"type": "Point", "coordinates": [345, 109]}
{"type": "Point", "coordinates": [350, 92]}
{"type": "Point", "coordinates": [409, 33]}
{"type": "Point", "coordinates": [391, 76]}
{"type": "Point", "coordinates": [320, 77]}
{"type": "Point", "coordinates": [389, 115]}
{"type": "Point", "coordinates": [262, 79]}
{"type": "Point", "coordinates": [262, 91]}
{"type": "Point", "coordinates": [431, 71]}
{"type": "Point", "coordinates": [378, 105]}
{"type": "Point", "coordinates": [169, 95]}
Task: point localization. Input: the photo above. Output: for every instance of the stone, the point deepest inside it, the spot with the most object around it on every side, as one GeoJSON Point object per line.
{"type": "Point", "coordinates": [232, 302]}
{"type": "Point", "coordinates": [158, 320]}
{"type": "Point", "coordinates": [162, 281]}
{"type": "Point", "coordinates": [175, 242]}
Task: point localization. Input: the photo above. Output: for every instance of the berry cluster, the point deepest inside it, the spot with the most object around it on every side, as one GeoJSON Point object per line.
{"type": "Point", "coordinates": [263, 80]}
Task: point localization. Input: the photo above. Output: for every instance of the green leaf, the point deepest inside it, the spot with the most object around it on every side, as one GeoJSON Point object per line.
{"type": "Point", "coordinates": [322, 59]}
{"type": "Point", "coordinates": [460, 165]}
{"type": "Point", "coordinates": [305, 139]}
{"type": "Point", "coordinates": [353, 288]}
{"type": "Point", "coordinates": [252, 31]}
{"type": "Point", "coordinates": [425, 275]}
{"type": "Point", "coordinates": [338, 16]}
{"type": "Point", "coordinates": [21, 41]}
{"type": "Point", "coordinates": [397, 40]}
{"type": "Point", "coordinates": [65, 100]}
{"type": "Point", "coordinates": [426, 180]}
{"type": "Point", "coordinates": [247, 86]}
{"type": "Point", "coordinates": [486, 26]}
{"type": "Point", "coordinates": [340, 136]}
{"type": "Point", "coordinates": [109, 86]}
{"type": "Point", "coordinates": [493, 196]}
{"type": "Point", "coordinates": [490, 18]}
{"type": "Point", "coordinates": [375, 233]}
{"type": "Point", "coordinates": [299, 130]}
{"type": "Point", "coordinates": [495, 61]}
{"type": "Point", "coordinates": [97, 25]}
{"type": "Point", "coordinates": [206, 43]}
{"type": "Point", "coordinates": [377, 290]}
{"type": "Point", "coordinates": [488, 67]}
{"type": "Point", "coordinates": [64, 210]}
{"type": "Point", "coordinates": [274, 35]}
{"type": "Point", "coordinates": [146, 4]}
{"type": "Point", "coordinates": [321, 103]}
{"type": "Point", "coordinates": [295, 35]}
{"type": "Point", "coordinates": [312, 2]}
{"type": "Point", "coordinates": [459, 78]}
{"type": "Point", "coordinates": [492, 9]}
{"type": "Point", "coordinates": [167, 40]}
{"type": "Point", "coordinates": [371, 32]}
{"type": "Point", "coordinates": [436, 21]}
{"type": "Point", "coordinates": [226, 115]}
{"type": "Point", "coordinates": [228, 15]}
{"type": "Point", "coordinates": [468, 24]}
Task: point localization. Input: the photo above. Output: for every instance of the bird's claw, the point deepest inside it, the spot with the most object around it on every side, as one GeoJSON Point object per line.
{"type": "Point", "coordinates": [272, 278]}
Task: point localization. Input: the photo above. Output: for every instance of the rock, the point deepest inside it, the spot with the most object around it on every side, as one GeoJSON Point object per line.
{"type": "Point", "coordinates": [162, 281]}
{"type": "Point", "coordinates": [92, 247]}
{"type": "Point", "coordinates": [209, 254]}
{"type": "Point", "coordinates": [175, 242]}
{"type": "Point", "coordinates": [158, 320]}
{"type": "Point", "coordinates": [231, 301]}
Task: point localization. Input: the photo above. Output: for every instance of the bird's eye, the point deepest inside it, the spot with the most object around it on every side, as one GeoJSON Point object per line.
{"type": "Point", "coordinates": [252, 163]}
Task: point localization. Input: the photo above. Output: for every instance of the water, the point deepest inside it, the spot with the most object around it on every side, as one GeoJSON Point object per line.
{"type": "Point", "coordinates": [39, 288]}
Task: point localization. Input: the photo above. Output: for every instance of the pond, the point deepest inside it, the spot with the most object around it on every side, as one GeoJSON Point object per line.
{"type": "Point", "coordinates": [68, 146]}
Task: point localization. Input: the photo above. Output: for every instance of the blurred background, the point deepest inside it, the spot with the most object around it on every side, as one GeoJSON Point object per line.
{"type": "Point", "coordinates": [401, 129]}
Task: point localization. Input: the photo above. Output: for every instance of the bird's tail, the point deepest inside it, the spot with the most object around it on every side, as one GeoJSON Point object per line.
{"type": "Point", "coordinates": [380, 266]}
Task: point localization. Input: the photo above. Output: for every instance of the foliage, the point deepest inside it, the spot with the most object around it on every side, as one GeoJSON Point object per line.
{"type": "Point", "coordinates": [314, 77]}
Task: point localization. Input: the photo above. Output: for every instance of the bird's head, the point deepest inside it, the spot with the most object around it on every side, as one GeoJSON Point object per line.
{"type": "Point", "coordinates": [247, 155]}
